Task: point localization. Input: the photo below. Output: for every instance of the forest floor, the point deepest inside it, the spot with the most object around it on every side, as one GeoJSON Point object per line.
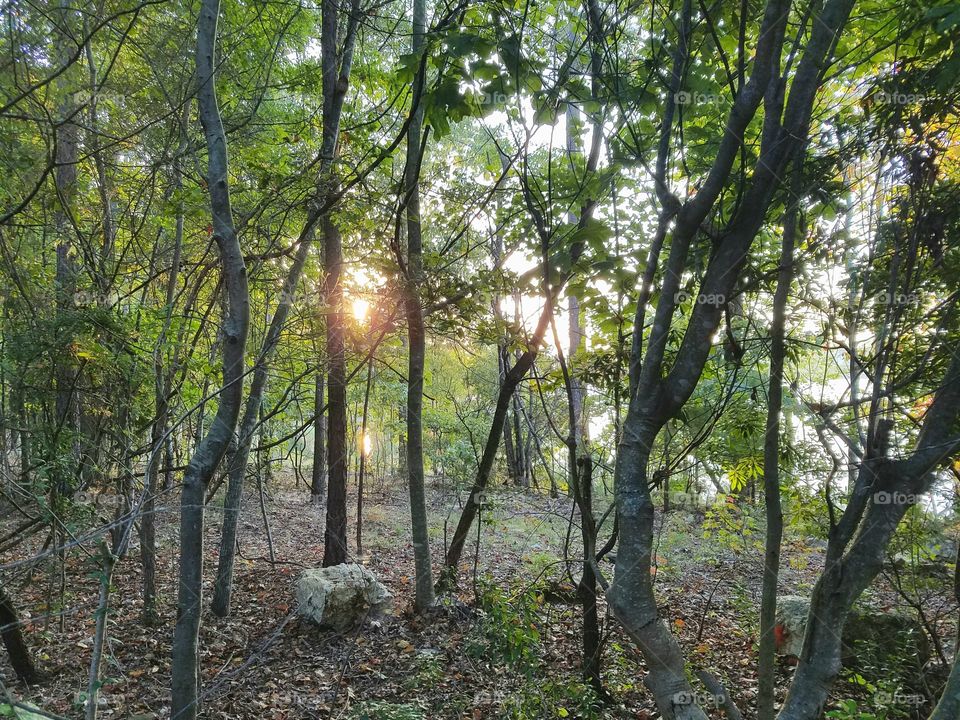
{"type": "Point", "coordinates": [516, 657]}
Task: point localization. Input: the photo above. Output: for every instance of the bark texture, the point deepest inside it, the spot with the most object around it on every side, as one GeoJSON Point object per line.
{"type": "Point", "coordinates": [658, 392]}
{"type": "Point", "coordinates": [416, 333]}
{"type": "Point", "coordinates": [210, 451]}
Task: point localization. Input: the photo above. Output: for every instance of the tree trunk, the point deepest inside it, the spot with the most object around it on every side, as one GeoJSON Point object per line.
{"type": "Point", "coordinates": [631, 596]}
{"type": "Point", "coordinates": [232, 501]}
{"type": "Point", "coordinates": [210, 451]}
{"type": "Point", "coordinates": [336, 73]}
{"type": "Point", "coordinates": [587, 587]}
{"type": "Point", "coordinates": [417, 338]}
{"type": "Point", "coordinates": [12, 633]}
{"type": "Point", "coordinates": [363, 455]}
{"type": "Point", "coordinates": [318, 478]}
{"type": "Point", "coordinates": [448, 580]}
{"type": "Point", "coordinates": [67, 139]}
{"type": "Point", "coordinates": [767, 670]}
{"type": "Point", "coordinates": [510, 450]}
{"type": "Point", "coordinates": [108, 560]}
{"type": "Point", "coordinates": [335, 532]}
{"type": "Point", "coordinates": [159, 433]}
{"type": "Point", "coordinates": [948, 708]}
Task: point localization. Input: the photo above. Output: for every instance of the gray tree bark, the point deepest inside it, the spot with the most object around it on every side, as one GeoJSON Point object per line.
{"type": "Point", "coordinates": [657, 394]}
{"type": "Point", "coordinates": [335, 78]}
{"type": "Point", "coordinates": [162, 378]}
{"type": "Point", "coordinates": [771, 467]}
{"type": "Point", "coordinates": [334, 95]}
{"type": "Point", "coordinates": [210, 451]}
{"type": "Point", "coordinates": [416, 332]}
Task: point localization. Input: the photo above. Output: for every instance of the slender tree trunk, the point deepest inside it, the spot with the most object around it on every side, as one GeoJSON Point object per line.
{"type": "Point", "coordinates": [581, 464]}
{"type": "Point", "coordinates": [335, 533]}
{"type": "Point", "coordinates": [948, 707]}
{"type": "Point", "coordinates": [417, 339]}
{"type": "Point", "coordinates": [336, 73]}
{"type": "Point", "coordinates": [169, 456]}
{"type": "Point", "coordinates": [511, 443]}
{"type": "Point", "coordinates": [363, 455]}
{"type": "Point", "coordinates": [475, 499]}
{"type": "Point", "coordinates": [100, 633]}
{"type": "Point", "coordinates": [261, 490]}
{"type": "Point", "coordinates": [210, 451]}
{"type": "Point", "coordinates": [767, 671]}
{"type": "Point", "coordinates": [23, 435]}
{"type": "Point", "coordinates": [576, 329]}
{"type": "Point", "coordinates": [159, 435]}
{"type": "Point", "coordinates": [521, 470]}
{"type": "Point", "coordinates": [106, 259]}
{"type": "Point", "coordinates": [318, 477]}
{"type": "Point", "coordinates": [587, 587]}
{"type": "Point", "coordinates": [232, 503]}
{"type": "Point", "coordinates": [67, 136]}
{"type": "Point", "coordinates": [448, 579]}
{"type": "Point", "coordinates": [509, 449]}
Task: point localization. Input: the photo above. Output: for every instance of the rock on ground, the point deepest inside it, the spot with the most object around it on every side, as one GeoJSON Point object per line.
{"type": "Point", "coordinates": [891, 633]}
{"type": "Point", "coordinates": [341, 596]}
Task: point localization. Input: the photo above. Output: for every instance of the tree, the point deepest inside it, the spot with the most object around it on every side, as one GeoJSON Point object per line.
{"type": "Point", "coordinates": [209, 453]}
{"type": "Point", "coordinates": [659, 390]}
{"type": "Point", "coordinates": [336, 71]}
{"type": "Point", "coordinates": [416, 332]}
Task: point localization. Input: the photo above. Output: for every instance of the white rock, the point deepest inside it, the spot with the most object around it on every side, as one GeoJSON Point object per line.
{"type": "Point", "coordinates": [339, 597]}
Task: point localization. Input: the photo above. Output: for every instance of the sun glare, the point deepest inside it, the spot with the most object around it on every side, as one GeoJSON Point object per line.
{"type": "Point", "coordinates": [361, 308]}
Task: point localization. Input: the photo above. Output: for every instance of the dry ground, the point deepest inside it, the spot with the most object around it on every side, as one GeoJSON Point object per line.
{"type": "Point", "coordinates": [264, 663]}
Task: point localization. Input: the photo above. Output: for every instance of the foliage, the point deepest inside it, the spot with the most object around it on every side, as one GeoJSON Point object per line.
{"type": "Point", "coordinates": [508, 627]}
{"type": "Point", "coordinates": [552, 699]}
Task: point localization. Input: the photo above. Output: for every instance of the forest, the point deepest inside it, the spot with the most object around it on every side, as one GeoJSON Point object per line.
{"type": "Point", "coordinates": [521, 359]}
